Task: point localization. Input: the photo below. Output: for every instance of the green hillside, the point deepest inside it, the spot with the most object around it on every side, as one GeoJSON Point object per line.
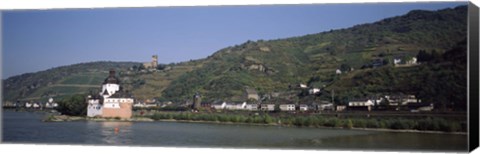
{"type": "Point", "coordinates": [61, 81]}
{"type": "Point", "coordinates": [150, 84]}
{"type": "Point", "coordinates": [273, 66]}
{"type": "Point", "coordinates": [442, 80]}
{"type": "Point", "coordinates": [88, 78]}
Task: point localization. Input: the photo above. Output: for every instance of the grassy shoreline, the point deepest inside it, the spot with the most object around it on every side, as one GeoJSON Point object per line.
{"type": "Point", "coordinates": [426, 125]}
{"type": "Point", "coordinates": [319, 121]}
{"type": "Point", "coordinates": [353, 128]}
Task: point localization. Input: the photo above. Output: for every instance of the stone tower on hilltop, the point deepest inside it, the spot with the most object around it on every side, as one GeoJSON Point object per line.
{"type": "Point", "coordinates": [155, 60]}
{"type": "Point", "coordinates": [153, 64]}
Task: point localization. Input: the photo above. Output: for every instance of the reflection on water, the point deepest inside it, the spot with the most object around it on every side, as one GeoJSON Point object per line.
{"type": "Point", "coordinates": [115, 133]}
{"type": "Point", "coordinates": [24, 127]}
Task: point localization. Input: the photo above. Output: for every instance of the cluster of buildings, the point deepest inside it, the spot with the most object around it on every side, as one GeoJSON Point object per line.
{"type": "Point", "coordinates": [388, 102]}
{"type": "Point", "coordinates": [50, 104]}
{"type": "Point", "coordinates": [266, 106]}
{"type": "Point", "coordinates": [147, 105]}
{"type": "Point", "coordinates": [399, 62]}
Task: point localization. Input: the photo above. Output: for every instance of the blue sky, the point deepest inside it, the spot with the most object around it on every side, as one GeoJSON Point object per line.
{"type": "Point", "coordinates": [35, 40]}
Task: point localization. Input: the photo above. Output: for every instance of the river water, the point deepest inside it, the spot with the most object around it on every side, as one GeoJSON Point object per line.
{"type": "Point", "coordinates": [27, 127]}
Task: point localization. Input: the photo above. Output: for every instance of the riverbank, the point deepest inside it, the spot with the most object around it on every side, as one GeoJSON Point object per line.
{"type": "Point", "coordinates": [65, 118]}
{"type": "Point", "coordinates": [265, 120]}
{"type": "Point", "coordinates": [353, 128]}
{"type": "Point", "coordinates": [396, 123]}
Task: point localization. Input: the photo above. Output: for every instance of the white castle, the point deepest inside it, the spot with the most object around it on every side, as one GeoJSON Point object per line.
{"type": "Point", "coordinates": [111, 102]}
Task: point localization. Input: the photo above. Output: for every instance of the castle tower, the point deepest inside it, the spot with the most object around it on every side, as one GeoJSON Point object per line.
{"type": "Point", "coordinates": [154, 61]}
{"type": "Point", "coordinates": [110, 84]}
{"type": "Point", "coordinates": [197, 99]}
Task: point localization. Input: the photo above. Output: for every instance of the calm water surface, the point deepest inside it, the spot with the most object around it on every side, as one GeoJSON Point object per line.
{"type": "Point", "coordinates": [27, 127]}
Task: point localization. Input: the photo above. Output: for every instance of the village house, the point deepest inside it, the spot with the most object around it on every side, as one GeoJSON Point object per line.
{"type": "Point", "coordinates": [397, 61]}
{"type": "Point", "coordinates": [267, 107]}
{"type": "Point", "coordinates": [314, 91]}
{"type": "Point", "coordinates": [230, 106]}
{"type": "Point", "coordinates": [412, 99]}
{"type": "Point", "coordinates": [219, 106]}
{"type": "Point", "coordinates": [168, 103]}
{"type": "Point", "coordinates": [241, 106]}
{"type": "Point", "coordinates": [151, 105]}
{"type": "Point", "coordinates": [301, 85]}
{"type": "Point", "coordinates": [235, 106]}
{"type": "Point", "coordinates": [28, 105]}
{"type": "Point", "coordinates": [303, 107]}
{"type": "Point", "coordinates": [393, 100]}
{"type": "Point", "coordinates": [112, 101]}
{"type": "Point", "coordinates": [148, 103]}
{"type": "Point", "coordinates": [377, 100]}
{"type": "Point", "coordinates": [396, 100]}
{"type": "Point", "coordinates": [325, 106]}
{"type": "Point", "coordinates": [252, 107]}
{"type": "Point", "coordinates": [338, 71]}
{"type": "Point", "coordinates": [145, 105]}
{"type": "Point", "coordinates": [8, 104]}
{"type": "Point", "coordinates": [287, 107]}
{"type": "Point", "coordinates": [360, 104]}
{"type": "Point", "coordinates": [138, 104]}
{"type": "Point", "coordinates": [340, 108]}
{"type": "Point", "coordinates": [51, 104]}
{"type": "Point", "coordinates": [36, 105]}
{"type": "Point", "coordinates": [412, 61]}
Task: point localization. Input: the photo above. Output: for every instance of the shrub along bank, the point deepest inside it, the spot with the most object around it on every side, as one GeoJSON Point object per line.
{"type": "Point", "coordinates": [424, 124]}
